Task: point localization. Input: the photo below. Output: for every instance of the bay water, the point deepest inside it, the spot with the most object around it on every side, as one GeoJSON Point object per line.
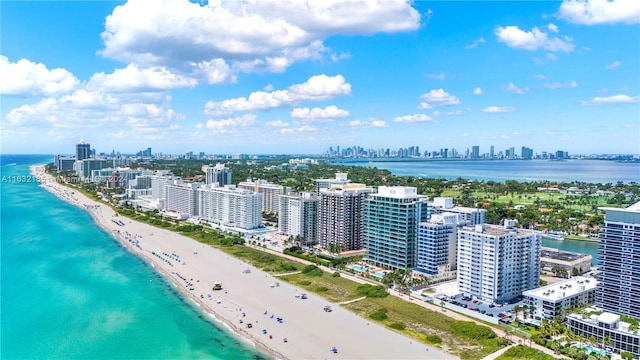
{"type": "Point", "coordinates": [590, 171]}
{"type": "Point", "coordinates": [70, 291]}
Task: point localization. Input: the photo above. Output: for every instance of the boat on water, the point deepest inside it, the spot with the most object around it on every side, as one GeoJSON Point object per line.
{"type": "Point", "coordinates": [553, 236]}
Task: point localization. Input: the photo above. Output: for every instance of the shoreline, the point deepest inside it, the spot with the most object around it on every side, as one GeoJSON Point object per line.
{"type": "Point", "coordinates": [247, 297]}
{"type": "Point", "coordinates": [74, 197]}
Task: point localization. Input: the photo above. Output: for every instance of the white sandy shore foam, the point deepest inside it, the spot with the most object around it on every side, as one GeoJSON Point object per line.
{"type": "Point", "coordinates": [248, 297]}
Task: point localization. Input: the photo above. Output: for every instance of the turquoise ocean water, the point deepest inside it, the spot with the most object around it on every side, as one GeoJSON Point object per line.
{"type": "Point", "coordinates": [70, 291]}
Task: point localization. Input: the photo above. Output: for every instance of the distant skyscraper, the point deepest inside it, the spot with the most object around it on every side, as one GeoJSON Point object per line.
{"type": "Point", "coordinates": [561, 154]}
{"type": "Point", "coordinates": [391, 221]}
{"type": "Point", "coordinates": [491, 152]}
{"type": "Point", "coordinates": [526, 153]}
{"type": "Point", "coordinates": [83, 150]}
{"type": "Point", "coordinates": [619, 270]}
{"type": "Point", "coordinates": [218, 174]}
{"type": "Point", "coordinates": [475, 152]}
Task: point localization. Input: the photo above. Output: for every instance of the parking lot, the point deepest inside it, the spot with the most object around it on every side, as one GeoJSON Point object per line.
{"type": "Point", "coordinates": [497, 311]}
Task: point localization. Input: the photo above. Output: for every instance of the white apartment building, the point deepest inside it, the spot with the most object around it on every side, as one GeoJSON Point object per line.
{"type": "Point", "coordinates": [298, 215]}
{"type": "Point", "coordinates": [445, 204]}
{"type": "Point", "coordinates": [497, 264]}
{"type": "Point", "coordinates": [182, 198]}
{"type": "Point", "coordinates": [437, 243]}
{"type": "Point", "coordinates": [159, 184]}
{"type": "Point", "coordinates": [549, 301]}
{"type": "Point", "coordinates": [120, 176]}
{"type": "Point", "coordinates": [84, 167]}
{"type": "Point", "coordinates": [230, 206]}
{"type": "Point", "coordinates": [340, 179]}
{"type": "Point", "coordinates": [621, 333]}
{"type": "Point", "coordinates": [270, 193]}
{"type": "Point", "coordinates": [218, 174]}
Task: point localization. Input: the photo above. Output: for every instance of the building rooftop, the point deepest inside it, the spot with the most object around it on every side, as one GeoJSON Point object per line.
{"type": "Point", "coordinates": [555, 254]}
{"type": "Point", "coordinates": [563, 289]}
{"type": "Point", "coordinates": [608, 318]}
{"type": "Point", "coordinates": [497, 230]}
{"type": "Point", "coordinates": [631, 208]}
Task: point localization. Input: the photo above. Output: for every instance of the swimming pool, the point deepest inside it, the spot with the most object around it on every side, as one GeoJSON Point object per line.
{"type": "Point", "coordinates": [359, 268]}
{"type": "Point", "coordinates": [593, 350]}
{"type": "Point", "coordinates": [379, 274]}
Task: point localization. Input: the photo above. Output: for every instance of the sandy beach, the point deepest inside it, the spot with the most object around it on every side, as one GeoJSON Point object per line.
{"type": "Point", "coordinates": [249, 295]}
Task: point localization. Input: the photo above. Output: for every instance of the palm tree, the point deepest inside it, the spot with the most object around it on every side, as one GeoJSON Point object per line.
{"type": "Point", "coordinates": [582, 338]}
{"type": "Point", "coordinates": [545, 328]}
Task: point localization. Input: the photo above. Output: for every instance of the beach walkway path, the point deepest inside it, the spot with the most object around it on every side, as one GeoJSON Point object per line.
{"type": "Point", "coordinates": [285, 274]}
{"type": "Point", "coordinates": [352, 301]}
{"type": "Point", "coordinates": [496, 354]}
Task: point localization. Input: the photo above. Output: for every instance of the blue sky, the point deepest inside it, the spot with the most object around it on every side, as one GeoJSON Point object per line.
{"type": "Point", "coordinates": [299, 77]}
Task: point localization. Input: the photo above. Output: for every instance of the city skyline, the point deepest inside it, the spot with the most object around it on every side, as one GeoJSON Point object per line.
{"type": "Point", "coordinates": [281, 77]}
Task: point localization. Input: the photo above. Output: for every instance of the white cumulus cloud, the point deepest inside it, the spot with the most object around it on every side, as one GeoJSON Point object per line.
{"type": "Point", "coordinates": [134, 79]}
{"type": "Point", "coordinates": [222, 126]}
{"type": "Point", "coordinates": [249, 35]}
{"type": "Point", "coordinates": [330, 112]}
{"type": "Point", "coordinates": [415, 118]}
{"type": "Point", "coordinates": [317, 88]}
{"type": "Point", "coordinates": [593, 12]}
{"type": "Point", "coordinates": [26, 78]}
{"type": "Point", "coordinates": [613, 99]}
{"type": "Point", "coordinates": [535, 39]}
{"type": "Point", "coordinates": [277, 123]}
{"type": "Point", "coordinates": [438, 97]}
{"type": "Point", "coordinates": [498, 109]}
{"type": "Point", "coordinates": [477, 91]}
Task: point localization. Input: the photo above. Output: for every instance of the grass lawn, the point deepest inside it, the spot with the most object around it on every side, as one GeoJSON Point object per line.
{"type": "Point", "coordinates": [334, 289]}
{"type": "Point", "coordinates": [430, 327]}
